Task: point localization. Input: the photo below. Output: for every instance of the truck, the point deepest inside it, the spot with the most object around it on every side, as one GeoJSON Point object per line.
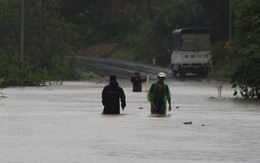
{"type": "Point", "coordinates": [191, 51]}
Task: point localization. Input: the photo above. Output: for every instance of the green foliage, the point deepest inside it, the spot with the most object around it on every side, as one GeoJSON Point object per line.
{"type": "Point", "coordinates": [48, 47]}
{"type": "Point", "coordinates": [139, 47]}
{"type": "Point", "coordinates": [174, 16]}
{"type": "Point", "coordinates": [126, 23]}
{"type": "Point", "coordinates": [90, 20]}
{"type": "Point", "coordinates": [2, 80]}
{"type": "Point", "coordinates": [245, 76]}
{"type": "Point", "coordinates": [49, 39]}
{"type": "Point", "coordinates": [124, 55]}
{"type": "Point", "coordinates": [86, 76]}
{"type": "Point", "coordinates": [243, 57]}
{"type": "Point", "coordinates": [217, 18]}
{"type": "Point", "coordinates": [16, 73]}
{"type": "Point", "coordinates": [222, 60]}
{"type": "Point", "coordinates": [10, 25]}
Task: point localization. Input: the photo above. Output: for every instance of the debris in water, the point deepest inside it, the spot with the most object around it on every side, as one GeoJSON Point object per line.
{"type": "Point", "coordinates": [188, 123]}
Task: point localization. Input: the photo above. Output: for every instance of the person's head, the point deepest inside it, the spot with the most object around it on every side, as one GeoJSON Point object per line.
{"type": "Point", "coordinates": [112, 78]}
{"type": "Point", "coordinates": [161, 76]}
{"type": "Point", "coordinates": [136, 74]}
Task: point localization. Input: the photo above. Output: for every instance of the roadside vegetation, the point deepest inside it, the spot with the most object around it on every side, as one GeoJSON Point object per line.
{"type": "Point", "coordinates": [55, 30]}
{"type": "Point", "coordinates": [238, 62]}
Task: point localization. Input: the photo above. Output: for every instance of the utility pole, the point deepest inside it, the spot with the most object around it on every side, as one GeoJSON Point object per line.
{"type": "Point", "coordinates": [230, 20]}
{"type": "Point", "coordinates": [22, 30]}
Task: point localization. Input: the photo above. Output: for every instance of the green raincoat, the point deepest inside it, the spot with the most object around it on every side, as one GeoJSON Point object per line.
{"type": "Point", "coordinates": [159, 94]}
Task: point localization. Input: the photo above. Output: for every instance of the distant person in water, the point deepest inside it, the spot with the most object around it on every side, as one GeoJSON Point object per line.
{"type": "Point", "coordinates": [158, 94]}
{"type": "Point", "coordinates": [137, 82]}
{"type": "Point", "coordinates": [111, 96]}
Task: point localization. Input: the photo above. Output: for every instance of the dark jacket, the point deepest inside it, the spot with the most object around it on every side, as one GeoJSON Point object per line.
{"type": "Point", "coordinates": [110, 98]}
{"type": "Point", "coordinates": [137, 83]}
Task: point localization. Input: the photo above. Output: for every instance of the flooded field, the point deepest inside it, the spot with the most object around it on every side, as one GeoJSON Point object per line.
{"type": "Point", "coordinates": [65, 124]}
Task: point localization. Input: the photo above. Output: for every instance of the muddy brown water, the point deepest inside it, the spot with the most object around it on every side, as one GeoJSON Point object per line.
{"type": "Point", "coordinates": [65, 124]}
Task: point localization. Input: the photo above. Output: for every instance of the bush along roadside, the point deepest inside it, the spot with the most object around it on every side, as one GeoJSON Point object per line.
{"type": "Point", "coordinates": [16, 73]}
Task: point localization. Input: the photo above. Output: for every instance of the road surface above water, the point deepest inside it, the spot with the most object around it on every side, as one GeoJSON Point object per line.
{"type": "Point", "coordinates": [64, 124]}
{"type": "Point", "coordinates": [122, 69]}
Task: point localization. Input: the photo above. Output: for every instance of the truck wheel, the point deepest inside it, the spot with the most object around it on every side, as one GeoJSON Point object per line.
{"type": "Point", "coordinates": [180, 71]}
{"type": "Point", "coordinates": [198, 74]}
{"type": "Point", "coordinates": [201, 74]}
{"type": "Point", "coordinates": [182, 74]}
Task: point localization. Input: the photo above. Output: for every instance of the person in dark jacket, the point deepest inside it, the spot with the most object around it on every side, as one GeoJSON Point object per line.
{"type": "Point", "coordinates": [110, 97]}
{"type": "Point", "coordinates": [137, 82]}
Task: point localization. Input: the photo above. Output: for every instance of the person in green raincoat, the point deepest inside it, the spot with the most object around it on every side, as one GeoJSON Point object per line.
{"type": "Point", "coordinates": [158, 94]}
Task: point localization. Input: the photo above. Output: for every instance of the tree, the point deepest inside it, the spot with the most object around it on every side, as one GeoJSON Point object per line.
{"type": "Point", "coordinates": [222, 60]}
{"type": "Point", "coordinates": [246, 76]}
{"type": "Point", "coordinates": [10, 26]}
{"type": "Point", "coordinates": [89, 18]}
{"type": "Point", "coordinates": [14, 72]}
{"type": "Point", "coordinates": [48, 38]}
{"type": "Point", "coordinates": [217, 17]}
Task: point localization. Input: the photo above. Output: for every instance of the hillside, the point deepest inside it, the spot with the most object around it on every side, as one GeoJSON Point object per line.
{"type": "Point", "coordinates": [100, 51]}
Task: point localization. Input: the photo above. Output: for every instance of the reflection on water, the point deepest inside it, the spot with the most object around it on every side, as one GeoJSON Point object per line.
{"type": "Point", "coordinates": [115, 115]}
{"type": "Point", "coordinates": [160, 115]}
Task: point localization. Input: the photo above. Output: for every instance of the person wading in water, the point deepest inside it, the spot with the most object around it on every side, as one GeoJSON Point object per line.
{"type": "Point", "coordinates": [111, 95]}
{"type": "Point", "coordinates": [137, 82]}
{"type": "Point", "coordinates": [158, 94]}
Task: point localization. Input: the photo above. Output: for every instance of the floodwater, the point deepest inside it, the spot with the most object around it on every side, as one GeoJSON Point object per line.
{"type": "Point", "coordinates": [64, 124]}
